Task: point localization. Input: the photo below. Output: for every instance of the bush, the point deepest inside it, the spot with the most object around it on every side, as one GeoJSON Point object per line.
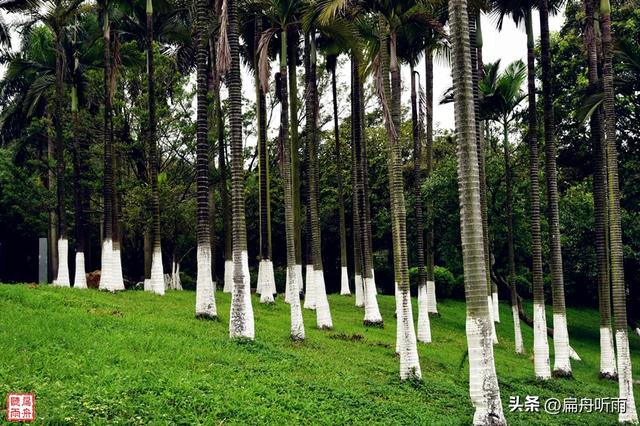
{"type": "Point", "coordinates": [188, 282]}
{"type": "Point", "coordinates": [446, 284]}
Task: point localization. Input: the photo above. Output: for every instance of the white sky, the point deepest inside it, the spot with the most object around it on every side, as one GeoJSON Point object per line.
{"type": "Point", "coordinates": [507, 45]}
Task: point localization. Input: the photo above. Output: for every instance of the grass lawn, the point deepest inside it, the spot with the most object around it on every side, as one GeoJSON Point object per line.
{"type": "Point", "coordinates": [136, 358]}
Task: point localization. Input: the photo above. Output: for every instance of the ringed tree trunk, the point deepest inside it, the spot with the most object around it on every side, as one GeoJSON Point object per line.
{"type": "Point", "coordinates": [224, 195]}
{"type": "Point", "coordinates": [607, 350]}
{"type": "Point", "coordinates": [372, 316]}
{"type": "Point", "coordinates": [424, 327]}
{"type": "Point", "coordinates": [483, 382]}
{"type": "Point", "coordinates": [293, 289]}
{"type": "Point", "coordinates": [432, 304]}
{"type": "Point", "coordinates": [625, 379]}
{"type": "Point", "coordinates": [510, 244]}
{"type": "Point", "coordinates": [156, 283]}
{"type": "Point", "coordinates": [241, 322]}
{"type": "Point", "coordinates": [79, 172]}
{"type": "Point", "coordinates": [406, 339]}
{"type": "Point", "coordinates": [344, 273]}
{"type": "Point", "coordinates": [562, 363]}
{"type": "Point", "coordinates": [310, 292]}
{"type": "Point", "coordinates": [293, 40]}
{"type": "Point", "coordinates": [323, 313]}
{"type": "Point", "coordinates": [266, 286]}
{"type": "Point", "coordinates": [109, 279]}
{"type": "Point", "coordinates": [62, 279]}
{"type": "Point", "coordinates": [205, 289]}
{"type": "Point", "coordinates": [357, 226]}
{"type": "Point", "coordinates": [540, 344]}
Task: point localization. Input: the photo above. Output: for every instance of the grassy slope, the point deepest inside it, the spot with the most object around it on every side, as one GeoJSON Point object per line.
{"type": "Point", "coordinates": [136, 358]}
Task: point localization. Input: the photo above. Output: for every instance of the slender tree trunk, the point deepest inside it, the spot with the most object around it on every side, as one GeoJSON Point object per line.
{"type": "Point", "coordinates": [52, 232]}
{"type": "Point", "coordinates": [108, 278]}
{"type": "Point", "coordinates": [510, 244]}
{"type": "Point", "coordinates": [540, 343]}
{"type": "Point", "coordinates": [241, 322]}
{"type": "Point", "coordinates": [79, 190]}
{"type": "Point", "coordinates": [266, 286]}
{"type": "Point", "coordinates": [344, 273]}
{"type": "Point", "coordinates": [562, 363]}
{"type": "Point", "coordinates": [432, 304]}
{"type": "Point", "coordinates": [205, 289]}
{"type": "Point", "coordinates": [357, 226]}
{"type": "Point", "coordinates": [156, 283]}
{"type": "Point", "coordinates": [625, 379]}
{"type": "Point", "coordinates": [483, 383]}
{"type": "Point", "coordinates": [424, 327]}
{"type": "Point", "coordinates": [406, 341]}
{"type": "Point", "coordinates": [310, 293]}
{"type": "Point", "coordinates": [297, 324]}
{"type": "Point", "coordinates": [62, 278]}
{"type": "Point", "coordinates": [607, 351]}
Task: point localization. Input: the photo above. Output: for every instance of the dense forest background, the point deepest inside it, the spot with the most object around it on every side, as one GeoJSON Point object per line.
{"type": "Point", "coordinates": [26, 202]}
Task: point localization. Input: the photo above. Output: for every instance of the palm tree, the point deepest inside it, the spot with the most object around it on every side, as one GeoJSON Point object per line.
{"type": "Point", "coordinates": [279, 13]}
{"type": "Point", "coordinates": [625, 379]}
{"type": "Point", "coordinates": [520, 11]}
{"type": "Point", "coordinates": [483, 383]}
{"type": "Point", "coordinates": [205, 289]}
{"type": "Point", "coordinates": [241, 323]}
{"type": "Point", "coordinates": [501, 95]}
{"type": "Point", "coordinates": [111, 273]}
{"type": "Point", "coordinates": [607, 350]}
{"type": "Point", "coordinates": [562, 363]}
{"type": "Point", "coordinates": [156, 283]}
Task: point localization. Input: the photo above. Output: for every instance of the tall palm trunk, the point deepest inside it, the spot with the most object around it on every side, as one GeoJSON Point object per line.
{"type": "Point", "coordinates": [292, 45]}
{"type": "Point", "coordinates": [109, 279]}
{"type": "Point", "coordinates": [310, 292]}
{"type": "Point", "coordinates": [156, 283]}
{"type": "Point", "coordinates": [357, 226]}
{"type": "Point", "coordinates": [540, 343]}
{"type": "Point", "coordinates": [266, 286]}
{"type": "Point", "coordinates": [224, 194]}
{"type": "Point", "coordinates": [323, 313]}
{"type": "Point", "coordinates": [62, 278]}
{"type": "Point", "coordinates": [562, 363]}
{"type": "Point", "coordinates": [241, 323]}
{"type": "Point", "coordinates": [372, 316]}
{"type": "Point", "coordinates": [79, 171]}
{"type": "Point", "coordinates": [625, 379]}
{"type": "Point", "coordinates": [344, 273]}
{"type": "Point", "coordinates": [297, 324]}
{"type": "Point", "coordinates": [406, 339]}
{"type": "Point", "coordinates": [424, 327]}
{"type": "Point", "coordinates": [483, 383]}
{"type": "Point", "coordinates": [205, 297]}
{"type": "Point", "coordinates": [607, 351]}
{"type": "Point", "coordinates": [432, 304]}
{"type": "Point", "coordinates": [510, 244]}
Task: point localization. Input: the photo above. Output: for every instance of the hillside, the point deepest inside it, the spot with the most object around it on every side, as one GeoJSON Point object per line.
{"type": "Point", "coordinates": [136, 358]}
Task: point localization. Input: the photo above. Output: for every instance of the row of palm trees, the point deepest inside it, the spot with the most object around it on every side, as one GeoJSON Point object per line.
{"type": "Point", "coordinates": [377, 36]}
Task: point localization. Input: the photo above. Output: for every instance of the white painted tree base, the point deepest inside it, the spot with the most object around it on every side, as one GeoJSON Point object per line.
{"type": "Point", "coordinates": [205, 289]}
{"type": "Point", "coordinates": [310, 292]}
{"type": "Point", "coordinates": [399, 314]}
{"type": "Point", "coordinates": [344, 282]}
{"type": "Point", "coordinates": [371, 309]}
{"type": "Point", "coordinates": [265, 282]}
{"type": "Point", "coordinates": [424, 323]}
{"type": "Point", "coordinates": [517, 330]}
{"type": "Point", "coordinates": [625, 379]}
{"type": "Point", "coordinates": [562, 362]}
{"type": "Point", "coordinates": [109, 269]}
{"type": "Point", "coordinates": [432, 303]}
{"type": "Point", "coordinates": [573, 354]}
{"type": "Point", "coordinates": [494, 335]}
{"type": "Point", "coordinates": [407, 344]}
{"type": "Point", "coordinates": [359, 284]}
{"type": "Point", "coordinates": [241, 324]}
{"type": "Point", "coordinates": [541, 363]}
{"type": "Point", "coordinates": [63, 280]}
{"type": "Point", "coordinates": [323, 312]}
{"type": "Point", "coordinates": [297, 323]}
{"type": "Point", "coordinates": [483, 382]}
{"type": "Point", "coordinates": [496, 306]}
{"type": "Point", "coordinates": [607, 354]}
{"type": "Point", "coordinates": [80, 277]}
{"type": "Point", "coordinates": [175, 283]}
{"type": "Point", "coordinates": [156, 283]}
{"type": "Point", "coordinates": [228, 276]}
{"type": "Point", "coordinates": [117, 262]}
